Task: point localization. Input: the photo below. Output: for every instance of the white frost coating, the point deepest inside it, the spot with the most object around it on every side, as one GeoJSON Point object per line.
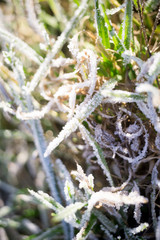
{"type": "Point", "coordinates": [137, 210]}
{"type": "Point", "coordinates": [114, 10]}
{"type": "Point", "coordinates": [151, 68]}
{"type": "Point", "coordinates": [73, 45]}
{"type": "Point", "coordinates": [45, 199]}
{"type": "Point", "coordinates": [36, 114]}
{"type": "Point", "coordinates": [158, 229]}
{"type": "Point", "coordinates": [85, 182]}
{"type": "Point", "coordinates": [146, 87]}
{"type": "Point", "coordinates": [128, 56]}
{"type": "Point", "coordinates": [81, 113]}
{"type": "Point", "coordinates": [153, 195]}
{"type": "Point", "coordinates": [20, 45]}
{"type": "Point", "coordinates": [69, 191]}
{"type": "Point", "coordinates": [66, 184]}
{"type": "Point", "coordinates": [112, 199]}
{"type": "Point", "coordinates": [140, 228]}
{"type": "Point", "coordinates": [116, 199]}
{"type": "Point", "coordinates": [133, 131]}
{"type": "Point", "coordinates": [118, 96]}
{"type": "Point", "coordinates": [92, 77]}
{"type": "Point", "coordinates": [86, 136]}
{"type": "Point", "coordinates": [62, 62]}
{"type": "Point", "coordinates": [141, 154]}
{"type": "Point", "coordinates": [70, 127]}
{"type": "Point", "coordinates": [7, 107]}
{"type": "Point", "coordinates": [44, 67]}
{"type": "Point", "coordinates": [34, 21]}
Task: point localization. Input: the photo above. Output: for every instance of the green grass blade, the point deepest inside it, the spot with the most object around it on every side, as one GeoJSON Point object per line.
{"type": "Point", "coordinates": [112, 32]}
{"type": "Point", "coordinates": [84, 232]}
{"type": "Point", "coordinates": [101, 28]}
{"type": "Point", "coordinates": [127, 25]}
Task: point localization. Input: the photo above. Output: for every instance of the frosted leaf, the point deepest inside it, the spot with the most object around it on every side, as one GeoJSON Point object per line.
{"type": "Point", "coordinates": [81, 113]}
{"type": "Point", "coordinates": [118, 96]}
{"type": "Point", "coordinates": [153, 195]}
{"type": "Point", "coordinates": [114, 10]}
{"type": "Point", "coordinates": [66, 76]}
{"type": "Point", "coordinates": [158, 229]}
{"type": "Point", "coordinates": [73, 45]}
{"type": "Point", "coordinates": [128, 56]}
{"type": "Point", "coordinates": [46, 200]}
{"type": "Point", "coordinates": [142, 153]}
{"type": "Point", "coordinates": [151, 68]}
{"type": "Point", "coordinates": [67, 212]}
{"type": "Point", "coordinates": [133, 131]}
{"type": "Point", "coordinates": [92, 77]}
{"type": "Point", "coordinates": [64, 180]}
{"type": "Point", "coordinates": [138, 129]}
{"type": "Point", "coordinates": [139, 229]}
{"type": "Point", "coordinates": [6, 107]}
{"type": "Point", "coordinates": [34, 21]}
{"type": "Point", "coordinates": [62, 62]}
{"type": "Point", "coordinates": [137, 210]}
{"type": "Point", "coordinates": [84, 182]}
{"type": "Point", "coordinates": [36, 114]}
{"type": "Point", "coordinates": [16, 65]}
{"type": "Point", "coordinates": [69, 191]}
{"type": "Point", "coordinates": [146, 87]}
{"type": "Point", "coordinates": [110, 199]}
{"type": "Point", "coordinates": [20, 45]}
{"type": "Point", "coordinates": [97, 151]}
{"type": "Point", "coordinates": [70, 127]}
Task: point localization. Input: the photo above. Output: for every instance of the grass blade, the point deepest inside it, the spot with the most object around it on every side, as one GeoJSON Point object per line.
{"type": "Point", "coordinates": [127, 25]}
{"type": "Point", "coordinates": [101, 28]}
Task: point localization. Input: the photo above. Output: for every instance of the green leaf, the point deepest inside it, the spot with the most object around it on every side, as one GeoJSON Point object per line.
{"type": "Point", "coordinates": [101, 28]}
{"type": "Point", "coordinates": [84, 232]}
{"type": "Point", "coordinates": [67, 211]}
{"type": "Point", "coordinates": [77, 2]}
{"type": "Point", "coordinates": [127, 25]}
{"type": "Point", "coordinates": [105, 221]}
{"type": "Point", "coordinates": [113, 34]}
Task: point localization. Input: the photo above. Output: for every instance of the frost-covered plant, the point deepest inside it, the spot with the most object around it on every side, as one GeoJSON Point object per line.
{"type": "Point", "coordinates": [108, 90]}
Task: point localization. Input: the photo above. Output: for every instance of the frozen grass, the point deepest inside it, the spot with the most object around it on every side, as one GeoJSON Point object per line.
{"type": "Point", "coordinates": [80, 79]}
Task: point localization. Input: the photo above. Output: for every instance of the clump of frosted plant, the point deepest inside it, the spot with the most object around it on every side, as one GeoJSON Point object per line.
{"type": "Point", "coordinates": [132, 135]}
